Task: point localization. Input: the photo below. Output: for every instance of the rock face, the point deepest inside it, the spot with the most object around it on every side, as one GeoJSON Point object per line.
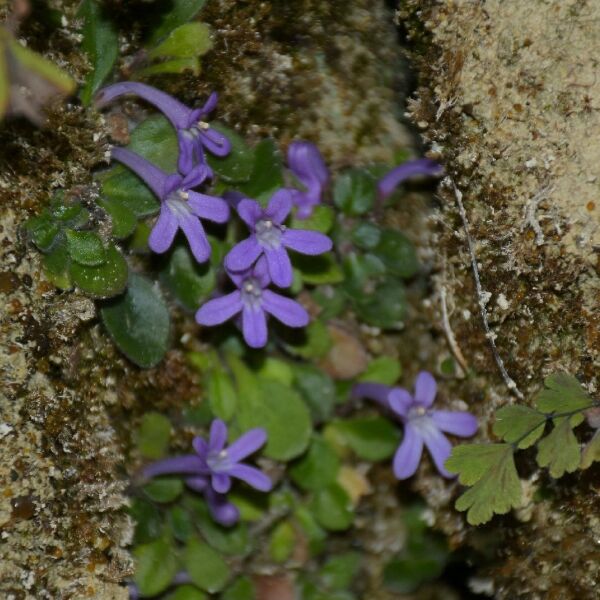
{"type": "Point", "coordinates": [68, 401]}
{"type": "Point", "coordinates": [510, 99]}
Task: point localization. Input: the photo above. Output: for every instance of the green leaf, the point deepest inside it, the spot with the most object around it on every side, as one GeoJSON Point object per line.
{"type": "Point", "coordinates": [276, 369]}
{"type": "Point", "coordinates": [371, 438]}
{"type": "Point", "coordinates": [282, 542]}
{"type": "Point", "coordinates": [5, 83]}
{"type": "Point", "coordinates": [312, 342]}
{"type": "Point", "coordinates": [155, 567]}
{"type": "Point", "coordinates": [123, 219]}
{"type": "Point", "coordinates": [490, 469]}
{"type": "Point", "coordinates": [384, 307]}
{"type": "Point", "coordinates": [187, 40]}
{"type": "Point", "coordinates": [100, 42]}
{"type": "Point", "coordinates": [85, 247]}
{"type": "Point", "coordinates": [515, 421]}
{"type": "Point", "coordinates": [188, 281]}
{"type": "Point", "coordinates": [267, 172]}
{"type": "Point", "coordinates": [237, 166]}
{"type": "Point", "coordinates": [221, 393]}
{"type": "Point", "coordinates": [205, 567]}
{"type": "Point", "coordinates": [366, 236]}
{"type": "Point", "coordinates": [314, 532]}
{"type": "Point", "coordinates": [56, 266]}
{"type": "Point", "coordinates": [321, 219]}
{"type": "Point", "coordinates": [332, 508]}
{"type": "Point", "coordinates": [559, 450]}
{"type": "Point", "coordinates": [563, 394]}
{"type": "Point", "coordinates": [233, 541]}
{"type": "Point", "coordinates": [591, 452]}
{"type": "Point", "coordinates": [156, 140]}
{"type": "Point", "coordinates": [148, 520]}
{"type": "Point", "coordinates": [317, 389]}
{"type": "Point", "coordinates": [43, 231]}
{"type": "Point", "coordinates": [187, 592]}
{"type": "Point", "coordinates": [71, 215]}
{"type": "Point", "coordinates": [105, 280]}
{"type": "Point", "coordinates": [181, 523]}
{"type": "Point", "coordinates": [384, 369]}
{"type": "Point", "coordinates": [174, 65]}
{"type": "Point", "coordinates": [340, 571]}
{"type": "Point", "coordinates": [277, 408]}
{"type": "Point", "coordinates": [354, 192]}
{"type": "Point", "coordinates": [153, 435]}
{"type": "Point", "coordinates": [317, 270]}
{"type": "Point", "coordinates": [164, 489]}
{"type": "Point", "coordinates": [180, 12]}
{"type": "Point", "coordinates": [241, 589]}
{"type": "Point", "coordinates": [126, 189]}
{"type": "Point", "coordinates": [318, 468]}
{"type": "Point", "coordinates": [397, 253]}
{"type": "Point", "coordinates": [138, 322]}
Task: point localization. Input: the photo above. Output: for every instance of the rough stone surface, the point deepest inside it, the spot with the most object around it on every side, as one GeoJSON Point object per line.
{"type": "Point", "coordinates": [509, 100]}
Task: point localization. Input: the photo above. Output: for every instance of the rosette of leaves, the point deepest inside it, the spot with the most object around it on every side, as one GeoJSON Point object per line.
{"type": "Point", "coordinates": [489, 469]}
{"type": "Point", "coordinates": [74, 254]}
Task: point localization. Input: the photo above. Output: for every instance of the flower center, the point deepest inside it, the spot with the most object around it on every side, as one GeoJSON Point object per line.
{"type": "Point", "coordinates": [203, 125]}
{"type": "Point", "coordinates": [218, 462]}
{"type": "Point", "coordinates": [251, 293]}
{"type": "Point", "coordinates": [268, 233]}
{"type": "Point", "coordinates": [177, 203]}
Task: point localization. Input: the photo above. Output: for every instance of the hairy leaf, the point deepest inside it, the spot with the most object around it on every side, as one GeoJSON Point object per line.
{"type": "Point", "coordinates": [156, 565]}
{"type": "Point", "coordinates": [205, 566]}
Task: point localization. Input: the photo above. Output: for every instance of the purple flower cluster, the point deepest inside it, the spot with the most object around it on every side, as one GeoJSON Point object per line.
{"type": "Point", "coordinates": [422, 424]}
{"type": "Point", "coordinates": [254, 263]}
{"type": "Point", "coordinates": [210, 470]}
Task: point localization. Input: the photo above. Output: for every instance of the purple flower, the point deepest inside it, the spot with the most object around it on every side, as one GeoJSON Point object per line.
{"type": "Point", "coordinates": [180, 208]}
{"type": "Point", "coordinates": [422, 424]}
{"type": "Point", "coordinates": [194, 134]}
{"type": "Point", "coordinates": [211, 468]}
{"type": "Point", "coordinates": [306, 163]}
{"type": "Point", "coordinates": [421, 166]}
{"type": "Point", "coordinates": [271, 238]}
{"type": "Point", "coordinates": [253, 301]}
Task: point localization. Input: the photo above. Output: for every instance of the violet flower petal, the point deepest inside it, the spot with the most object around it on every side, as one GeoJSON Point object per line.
{"type": "Point", "coordinates": [408, 454]}
{"type": "Point", "coordinates": [219, 310]}
{"type": "Point", "coordinates": [221, 509]}
{"type": "Point", "coordinates": [261, 272]}
{"type": "Point", "coordinates": [208, 207]}
{"type": "Point", "coordinates": [198, 484]}
{"type": "Point", "coordinates": [152, 176]}
{"type": "Point", "coordinates": [279, 206]}
{"type": "Point", "coordinates": [243, 254]}
{"type": "Point", "coordinates": [439, 448]}
{"type": "Point", "coordinates": [284, 309]}
{"type": "Point", "coordinates": [280, 267]}
{"type": "Point", "coordinates": [252, 476]}
{"type": "Point", "coordinates": [215, 142]}
{"type": "Point", "coordinates": [306, 242]}
{"type": "Point", "coordinates": [164, 230]}
{"type": "Point", "coordinates": [373, 391]}
{"type": "Point", "coordinates": [189, 463]}
{"type": "Point", "coordinates": [400, 401]}
{"type": "Point", "coordinates": [306, 162]}
{"type": "Point", "coordinates": [462, 424]}
{"type": "Point", "coordinates": [174, 110]}
{"type": "Point", "coordinates": [425, 389]}
{"type": "Point", "coordinates": [200, 446]}
{"type": "Point", "coordinates": [194, 232]}
{"type": "Point", "coordinates": [218, 436]}
{"type": "Point", "coordinates": [210, 104]}
{"type": "Point", "coordinates": [391, 180]}
{"type": "Point", "coordinates": [221, 482]}
{"type": "Point", "coordinates": [247, 444]}
{"type": "Point", "coordinates": [249, 211]}
{"type": "Point", "coordinates": [254, 327]}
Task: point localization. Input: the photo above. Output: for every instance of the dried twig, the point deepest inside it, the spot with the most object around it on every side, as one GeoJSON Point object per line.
{"type": "Point", "coordinates": [482, 297]}
{"type": "Point", "coordinates": [450, 334]}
